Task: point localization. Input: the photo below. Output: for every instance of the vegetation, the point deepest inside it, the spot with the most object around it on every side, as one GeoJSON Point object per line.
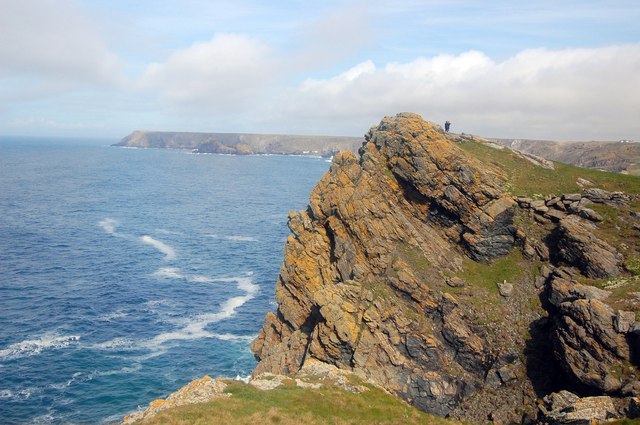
{"type": "Point", "coordinates": [486, 276]}
{"type": "Point", "coordinates": [296, 405]}
{"type": "Point", "coordinates": [528, 179]}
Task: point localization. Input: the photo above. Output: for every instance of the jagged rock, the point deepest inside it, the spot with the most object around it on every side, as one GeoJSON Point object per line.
{"type": "Point", "coordinates": [197, 391]}
{"type": "Point", "coordinates": [623, 321]}
{"type": "Point", "coordinates": [590, 348]}
{"type": "Point", "coordinates": [604, 197]}
{"type": "Point", "coordinates": [563, 290]}
{"type": "Point", "coordinates": [590, 214]}
{"type": "Point", "coordinates": [371, 283]}
{"type": "Point", "coordinates": [555, 215]}
{"type": "Point", "coordinates": [580, 247]}
{"type": "Point", "coordinates": [567, 408]}
{"type": "Point", "coordinates": [374, 222]}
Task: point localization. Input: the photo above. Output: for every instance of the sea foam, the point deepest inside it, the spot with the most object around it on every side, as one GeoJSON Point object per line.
{"type": "Point", "coordinates": [168, 251]}
{"type": "Point", "coordinates": [31, 347]}
{"type": "Point", "coordinates": [194, 328]}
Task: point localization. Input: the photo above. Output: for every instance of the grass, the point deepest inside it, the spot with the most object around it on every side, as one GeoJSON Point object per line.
{"type": "Point", "coordinates": [486, 276]}
{"type": "Point", "coordinates": [295, 406]}
{"type": "Point", "coordinates": [528, 179]}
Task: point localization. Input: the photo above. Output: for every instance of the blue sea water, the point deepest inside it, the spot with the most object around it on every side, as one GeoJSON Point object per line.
{"type": "Point", "coordinates": [126, 273]}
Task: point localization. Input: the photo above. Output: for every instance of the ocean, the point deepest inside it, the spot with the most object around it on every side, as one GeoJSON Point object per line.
{"type": "Point", "coordinates": [126, 273]}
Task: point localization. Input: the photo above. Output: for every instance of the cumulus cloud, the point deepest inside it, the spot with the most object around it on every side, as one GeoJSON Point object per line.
{"type": "Point", "coordinates": [221, 74]}
{"type": "Point", "coordinates": [538, 93]}
{"type": "Point", "coordinates": [52, 41]}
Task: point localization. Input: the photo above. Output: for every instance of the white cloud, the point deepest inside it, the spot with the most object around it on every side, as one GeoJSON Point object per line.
{"type": "Point", "coordinates": [54, 43]}
{"type": "Point", "coordinates": [538, 93]}
{"type": "Point", "coordinates": [224, 73]}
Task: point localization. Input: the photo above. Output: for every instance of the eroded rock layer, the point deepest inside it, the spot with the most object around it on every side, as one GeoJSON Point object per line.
{"type": "Point", "coordinates": [388, 274]}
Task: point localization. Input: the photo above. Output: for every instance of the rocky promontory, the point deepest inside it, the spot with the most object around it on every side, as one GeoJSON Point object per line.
{"type": "Point", "coordinates": [241, 143]}
{"type": "Point", "coordinates": [429, 268]}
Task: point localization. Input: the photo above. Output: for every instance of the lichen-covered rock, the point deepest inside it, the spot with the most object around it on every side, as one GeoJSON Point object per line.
{"type": "Point", "coordinates": [197, 391]}
{"type": "Point", "coordinates": [376, 281]}
{"type": "Point", "coordinates": [368, 253]}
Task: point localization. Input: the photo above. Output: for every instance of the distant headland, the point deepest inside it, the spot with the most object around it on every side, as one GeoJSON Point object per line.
{"type": "Point", "coordinates": [242, 143]}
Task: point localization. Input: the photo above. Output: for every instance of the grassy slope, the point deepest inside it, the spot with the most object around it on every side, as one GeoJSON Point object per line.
{"type": "Point", "coordinates": [527, 179]}
{"type": "Point", "coordinates": [295, 405]}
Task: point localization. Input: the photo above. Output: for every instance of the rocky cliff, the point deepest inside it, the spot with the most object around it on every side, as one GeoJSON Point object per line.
{"type": "Point", "coordinates": [241, 144]}
{"type": "Point", "coordinates": [444, 275]}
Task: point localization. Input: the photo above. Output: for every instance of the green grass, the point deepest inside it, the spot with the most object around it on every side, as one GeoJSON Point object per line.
{"type": "Point", "coordinates": [295, 406]}
{"type": "Point", "coordinates": [525, 178]}
{"type": "Point", "coordinates": [485, 276]}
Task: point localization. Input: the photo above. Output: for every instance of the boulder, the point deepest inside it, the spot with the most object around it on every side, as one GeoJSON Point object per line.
{"type": "Point", "coordinates": [567, 408]}
{"type": "Point", "coordinates": [578, 246]}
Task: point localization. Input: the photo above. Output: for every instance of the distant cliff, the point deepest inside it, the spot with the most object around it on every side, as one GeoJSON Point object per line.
{"type": "Point", "coordinates": [466, 280]}
{"type": "Point", "coordinates": [619, 157]}
{"type": "Point", "coordinates": [242, 144]}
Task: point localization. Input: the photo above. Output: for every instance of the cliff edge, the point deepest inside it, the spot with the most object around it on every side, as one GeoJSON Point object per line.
{"type": "Point", "coordinates": [450, 276]}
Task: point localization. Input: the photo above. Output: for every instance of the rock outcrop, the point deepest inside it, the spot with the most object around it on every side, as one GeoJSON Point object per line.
{"type": "Point", "coordinates": [197, 391]}
{"type": "Point", "coordinates": [387, 275]}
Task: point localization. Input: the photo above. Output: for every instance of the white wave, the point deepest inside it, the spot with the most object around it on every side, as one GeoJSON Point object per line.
{"type": "Point", "coordinates": [175, 273]}
{"type": "Point", "coordinates": [195, 328]}
{"type": "Point", "coordinates": [232, 337]}
{"type": "Point", "coordinates": [241, 238]}
{"type": "Point", "coordinates": [168, 251]}
{"type": "Point", "coordinates": [6, 394]}
{"type": "Point", "coordinates": [109, 225]}
{"type": "Point", "coordinates": [31, 347]}
{"type": "Point", "coordinates": [244, 379]}
{"type": "Point", "coordinates": [115, 343]}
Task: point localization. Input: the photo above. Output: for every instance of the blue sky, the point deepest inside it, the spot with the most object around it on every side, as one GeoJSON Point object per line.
{"type": "Point", "coordinates": [566, 70]}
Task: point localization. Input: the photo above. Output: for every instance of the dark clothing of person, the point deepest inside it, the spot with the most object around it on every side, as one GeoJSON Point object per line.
{"type": "Point", "coordinates": [447, 125]}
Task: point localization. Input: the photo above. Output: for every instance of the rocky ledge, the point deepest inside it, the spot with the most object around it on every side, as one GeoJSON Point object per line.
{"type": "Point", "coordinates": [418, 267]}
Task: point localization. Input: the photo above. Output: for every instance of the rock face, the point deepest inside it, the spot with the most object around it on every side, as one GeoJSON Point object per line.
{"type": "Point", "coordinates": [375, 280]}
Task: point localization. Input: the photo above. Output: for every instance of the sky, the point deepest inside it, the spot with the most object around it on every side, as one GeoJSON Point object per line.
{"type": "Point", "coordinates": [538, 69]}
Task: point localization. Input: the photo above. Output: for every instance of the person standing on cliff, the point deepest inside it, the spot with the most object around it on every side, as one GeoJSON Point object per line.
{"type": "Point", "coordinates": [447, 125]}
